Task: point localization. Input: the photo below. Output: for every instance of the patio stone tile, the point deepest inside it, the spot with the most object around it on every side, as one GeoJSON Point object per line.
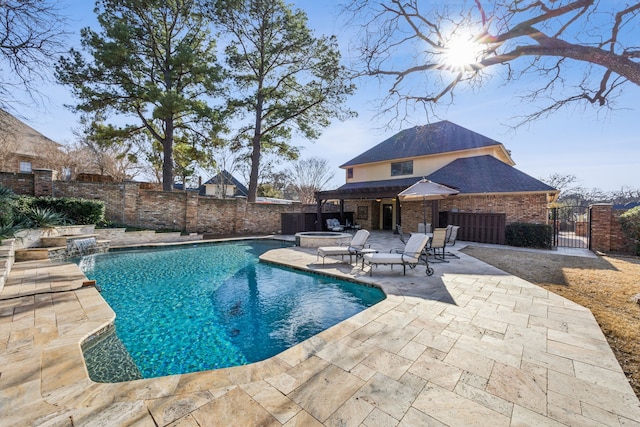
{"type": "Point", "coordinates": [587, 343]}
{"type": "Point", "coordinates": [352, 413]}
{"type": "Point", "coordinates": [393, 339]}
{"type": "Point", "coordinates": [302, 419]}
{"type": "Point", "coordinates": [483, 398]}
{"type": "Point", "coordinates": [474, 380]}
{"type": "Point", "coordinates": [186, 421]}
{"type": "Point", "coordinates": [612, 379]}
{"type": "Point", "coordinates": [491, 324]}
{"type": "Point", "coordinates": [523, 417]}
{"type": "Point", "coordinates": [377, 418]}
{"type": "Point", "coordinates": [569, 411]}
{"type": "Point", "coordinates": [531, 336]}
{"type": "Point", "coordinates": [600, 415]}
{"type": "Point", "coordinates": [520, 387]}
{"type": "Point", "coordinates": [468, 361]}
{"type": "Point", "coordinates": [582, 354]}
{"type": "Point", "coordinates": [120, 413]}
{"type": "Point", "coordinates": [390, 364]}
{"type": "Point", "coordinates": [454, 410]}
{"type": "Point", "coordinates": [433, 340]}
{"type": "Point", "coordinates": [323, 394]}
{"type": "Point", "coordinates": [558, 325]}
{"type": "Point", "coordinates": [390, 396]}
{"type": "Point", "coordinates": [288, 381]}
{"type": "Point", "coordinates": [623, 404]}
{"type": "Point", "coordinates": [342, 355]}
{"type": "Point", "coordinates": [170, 409]}
{"type": "Point", "coordinates": [437, 372]}
{"type": "Point", "coordinates": [415, 418]}
{"type": "Point", "coordinates": [367, 331]}
{"type": "Point", "coordinates": [466, 327]}
{"type": "Point", "coordinates": [224, 412]}
{"type": "Point", "coordinates": [500, 352]}
{"type": "Point", "coordinates": [412, 350]}
{"type": "Point", "coordinates": [278, 405]}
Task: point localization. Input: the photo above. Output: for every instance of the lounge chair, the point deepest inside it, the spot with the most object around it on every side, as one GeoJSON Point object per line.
{"type": "Point", "coordinates": [334, 225]}
{"type": "Point", "coordinates": [451, 240]}
{"type": "Point", "coordinates": [411, 255]}
{"type": "Point", "coordinates": [438, 243]}
{"type": "Point", "coordinates": [357, 244]}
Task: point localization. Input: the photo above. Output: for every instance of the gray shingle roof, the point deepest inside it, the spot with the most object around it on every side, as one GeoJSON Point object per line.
{"type": "Point", "coordinates": [486, 174]}
{"type": "Point", "coordinates": [223, 178]}
{"type": "Point", "coordinates": [434, 138]}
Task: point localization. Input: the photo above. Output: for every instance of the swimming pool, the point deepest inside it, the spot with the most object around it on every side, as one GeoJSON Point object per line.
{"type": "Point", "coordinates": [209, 306]}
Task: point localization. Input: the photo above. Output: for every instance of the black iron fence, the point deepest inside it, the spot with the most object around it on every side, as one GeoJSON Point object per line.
{"type": "Point", "coordinates": [571, 226]}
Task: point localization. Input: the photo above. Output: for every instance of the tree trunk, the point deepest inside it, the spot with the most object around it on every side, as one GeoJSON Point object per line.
{"type": "Point", "coordinates": [255, 150]}
{"type": "Point", "coordinates": [167, 163]}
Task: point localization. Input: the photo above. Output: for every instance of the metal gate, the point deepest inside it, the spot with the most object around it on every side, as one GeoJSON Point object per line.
{"type": "Point", "coordinates": [571, 226]}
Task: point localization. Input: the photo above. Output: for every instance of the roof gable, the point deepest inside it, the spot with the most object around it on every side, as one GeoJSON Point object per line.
{"type": "Point", "coordinates": [434, 138]}
{"type": "Point", "coordinates": [486, 174]}
{"type": "Point", "coordinates": [22, 139]}
{"type": "Point", "coordinates": [225, 178]}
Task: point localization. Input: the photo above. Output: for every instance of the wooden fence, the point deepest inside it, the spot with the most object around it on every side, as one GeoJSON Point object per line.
{"type": "Point", "coordinates": [477, 227]}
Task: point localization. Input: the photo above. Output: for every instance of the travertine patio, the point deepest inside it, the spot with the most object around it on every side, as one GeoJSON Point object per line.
{"type": "Point", "coordinates": [467, 346]}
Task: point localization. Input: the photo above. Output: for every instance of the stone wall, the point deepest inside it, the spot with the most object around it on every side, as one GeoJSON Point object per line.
{"type": "Point", "coordinates": [132, 204]}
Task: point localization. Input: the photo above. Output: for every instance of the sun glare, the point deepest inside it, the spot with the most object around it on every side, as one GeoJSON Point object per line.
{"type": "Point", "coordinates": [461, 52]}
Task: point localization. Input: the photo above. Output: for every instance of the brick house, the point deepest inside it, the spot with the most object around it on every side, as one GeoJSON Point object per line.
{"type": "Point", "coordinates": [24, 149]}
{"type": "Point", "coordinates": [479, 167]}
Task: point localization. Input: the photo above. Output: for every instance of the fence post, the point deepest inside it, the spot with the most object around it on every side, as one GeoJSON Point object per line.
{"type": "Point", "coordinates": [601, 227]}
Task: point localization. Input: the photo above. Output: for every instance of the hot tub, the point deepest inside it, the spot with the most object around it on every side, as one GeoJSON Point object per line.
{"type": "Point", "coordinates": [314, 239]}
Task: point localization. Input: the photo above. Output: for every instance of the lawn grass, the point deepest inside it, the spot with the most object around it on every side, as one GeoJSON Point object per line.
{"type": "Point", "coordinates": [605, 285]}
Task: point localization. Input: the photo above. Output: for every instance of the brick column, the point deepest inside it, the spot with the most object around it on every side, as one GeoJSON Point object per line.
{"type": "Point", "coordinates": [191, 213]}
{"type": "Point", "coordinates": [601, 227]}
{"type": "Point", "coordinates": [42, 182]}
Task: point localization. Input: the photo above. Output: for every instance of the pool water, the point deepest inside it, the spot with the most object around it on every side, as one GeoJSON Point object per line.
{"type": "Point", "coordinates": [211, 306]}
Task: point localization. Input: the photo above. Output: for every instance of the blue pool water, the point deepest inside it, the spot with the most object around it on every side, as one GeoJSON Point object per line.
{"type": "Point", "coordinates": [211, 306]}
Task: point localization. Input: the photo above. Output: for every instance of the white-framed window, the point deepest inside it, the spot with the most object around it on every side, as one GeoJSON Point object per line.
{"type": "Point", "coordinates": [402, 168]}
{"type": "Point", "coordinates": [25, 167]}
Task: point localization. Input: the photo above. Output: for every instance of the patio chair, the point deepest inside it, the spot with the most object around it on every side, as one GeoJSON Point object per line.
{"type": "Point", "coordinates": [424, 228]}
{"type": "Point", "coordinates": [411, 255]}
{"type": "Point", "coordinates": [438, 243]}
{"type": "Point", "coordinates": [403, 238]}
{"type": "Point", "coordinates": [334, 225]}
{"type": "Point", "coordinates": [357, 244]}
{"type": "Point", "coordinates": [451, 240]}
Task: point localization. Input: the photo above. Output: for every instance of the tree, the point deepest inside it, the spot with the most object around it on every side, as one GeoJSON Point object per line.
{"type": "Point", "coordinates": [309, 176]}
{"type": "Point", "coordinates": [31, 37]}
{"type": "Point", "coordinates": [285, 78]}
{"type": "Point", "coordinates": [428, 48]}
{"type": "Point", "coordinates": [154, 60]}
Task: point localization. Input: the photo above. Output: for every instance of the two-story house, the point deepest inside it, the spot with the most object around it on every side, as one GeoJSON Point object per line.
{"type": "Point", "coordinates": [479, 167]}
{"type": "Point", "coordinates": [23, 148]}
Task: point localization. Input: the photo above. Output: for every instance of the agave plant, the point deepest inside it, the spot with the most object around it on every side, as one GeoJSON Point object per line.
{"type": "Point", "coordinates": [45, 218]}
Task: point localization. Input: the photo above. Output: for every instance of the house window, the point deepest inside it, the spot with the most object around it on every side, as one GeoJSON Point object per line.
{"type": "Point", "coordinates": [349, 173]}
{"type": "Point", "coordinates": [25, 167]}
{"type": "Point", "coordinates": [402, 168]}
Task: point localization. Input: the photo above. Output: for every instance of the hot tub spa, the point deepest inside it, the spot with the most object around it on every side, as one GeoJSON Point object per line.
{"type": "Point", "coordinates": [314, 239]}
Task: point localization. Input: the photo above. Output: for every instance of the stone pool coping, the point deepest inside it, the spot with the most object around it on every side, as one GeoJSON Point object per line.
{"type": "Point", "coordinates": [470, 345]}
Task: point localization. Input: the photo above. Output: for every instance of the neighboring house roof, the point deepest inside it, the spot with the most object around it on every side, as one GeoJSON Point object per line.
{"type": "Point", "coordinates": [486, 174]}
{"type": "Point", "coordinates": [23, 139]}
{"type": "Point", "coordinates": [434, 138]}
{"type": "Point", "coordinates": [225, 178]}
{"type": "Point", "coordinates": [626, 206]}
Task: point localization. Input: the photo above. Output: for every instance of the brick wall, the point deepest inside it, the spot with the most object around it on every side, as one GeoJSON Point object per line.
{"type": "Point", "coordinates": [20, 183]}
{"type": "Point", "coordinates": [132, 204]}
{"type": "Point", "coordinates": [606, 232]}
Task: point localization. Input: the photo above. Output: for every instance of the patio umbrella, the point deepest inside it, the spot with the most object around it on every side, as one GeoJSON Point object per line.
{"type": "Point", "coordinates": [427, 190]}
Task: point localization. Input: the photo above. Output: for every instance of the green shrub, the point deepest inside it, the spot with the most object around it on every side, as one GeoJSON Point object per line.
{"type": "Point", "coordinates": [38, 217]}
{"type": "Point", "coordinates": [630, 223]}
{"type": "Point", "coordinates": [529, 235]}
{"type": "Point", "coordinates": [77, 211]}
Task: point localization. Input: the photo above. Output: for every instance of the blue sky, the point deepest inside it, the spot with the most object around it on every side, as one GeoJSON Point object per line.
{"type": "Point", "coordinates": [601, 148]}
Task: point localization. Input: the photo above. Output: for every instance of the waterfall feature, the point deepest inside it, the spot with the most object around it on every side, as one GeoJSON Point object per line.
{"type": "Point", "coordinates": [86, 246]}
